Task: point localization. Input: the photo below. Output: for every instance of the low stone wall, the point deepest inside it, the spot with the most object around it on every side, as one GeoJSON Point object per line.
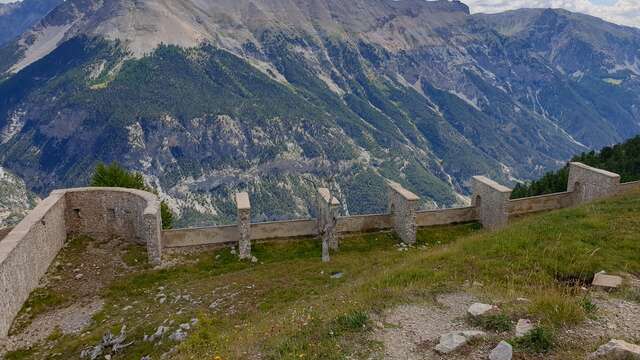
{"type": "Point", "coordinates": [629, 187]}
{"type": "Point", "coordinates": [28, 250]}
{"type": "Point", "coordinates": [540, 203]}
{"type": "Point", "coordinates": [364, 223]}
{"type": "Point", "coordinates": [446, 216]}
{"type": "Point", "coordinates": [25, 255]}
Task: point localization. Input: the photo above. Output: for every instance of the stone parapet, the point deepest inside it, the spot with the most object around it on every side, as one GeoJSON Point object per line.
{"type": "Point", "coordinates": [589, 183]}
{"type": "Point", "coordinates": [402, 206]}
{"type": "Point", "coordinates": [328, 209]}
{"type": "Point", "coordinates": [244, 225]}
{"type": "Point", "coordinates": [491, 201]}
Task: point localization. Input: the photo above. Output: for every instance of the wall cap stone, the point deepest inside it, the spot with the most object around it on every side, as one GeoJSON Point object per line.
{"type": "Point", "coordinates": [242, 201]}
{"type": "Point", "coordinates": [153, 202]}
{"type": "Point", "coordinates": [326, 195]}
{"type": "Point", "coordinates": [596, 170]}
{"type": "Point", "coordinates": [406, 194]}
{"type": "Point", "coordinates": [492, 184]}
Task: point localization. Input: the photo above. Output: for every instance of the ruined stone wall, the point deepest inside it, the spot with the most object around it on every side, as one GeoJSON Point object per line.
{"type": "Point", "coordinates": [105, 212]}
{"type": "Point", "coordinates": [28, 250]}
{"type": "Point", "coordinates": [25, 255]}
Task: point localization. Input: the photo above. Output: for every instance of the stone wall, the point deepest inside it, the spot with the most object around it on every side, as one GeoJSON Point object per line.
{"type": "Point", "coordinates": [540, 203]}
{"type": "Point", "coordinates": [446, 216]}
{"type": "Point", "coordinates": [101, 213]}
{"type": "Point", "coordinates": [491, 199]}
{"type": "Point", "coordinates": [629, 187]}
{"type": "Point", "coordinates": [402, 207]}
{"type": "Point", "coordinates": [589, 183]}
{"type": "Point", "coordinates": [25, 255]}
{"type": "Point", "coordinates": [28, 250]}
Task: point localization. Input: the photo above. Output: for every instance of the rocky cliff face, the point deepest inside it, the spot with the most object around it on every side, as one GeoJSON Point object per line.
{"type": "Point", "coordinates": [15, 199]}
{"type": "Point", "coordinates": [17, 17]}
{"type": "Point", "coordinates": [206, 98]}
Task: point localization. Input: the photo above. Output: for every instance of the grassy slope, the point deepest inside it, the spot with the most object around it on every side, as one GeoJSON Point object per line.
{"type": "Point", "coordinates": [288, 305]}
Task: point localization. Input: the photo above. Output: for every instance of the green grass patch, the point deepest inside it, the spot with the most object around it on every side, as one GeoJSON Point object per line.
{"type": "Point", "coordinates": [493, 322]}
{"type": "Point", "coordinates": [538, 340]}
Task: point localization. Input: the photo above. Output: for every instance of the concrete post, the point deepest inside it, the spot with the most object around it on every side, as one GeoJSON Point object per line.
{"type": "Point", "coordinates": [244, 225]}
{"type": "Point", "coordinates": [328, 208]}
{"type": "Point", "coordinates": [490, 200]}
{"type": "Point", "coordinates": [589, 183]}
{"type": "Point", "coordinates": [402, 206]}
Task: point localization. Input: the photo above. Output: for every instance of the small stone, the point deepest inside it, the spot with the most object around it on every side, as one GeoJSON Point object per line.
{"type": "Point", "coordinates": [450, 342]}
{"type": "Point", "coordinates": [185, 326]}
{"type": "Point", "coordinates": [162, 300]}
{"type": "Point", "coordinates": [504, 351]}
{"type": "Point", "coordinates": [478, 309]}
{"type": "Point", "coordinates": [523, 327]}
{"type": "Point", "coordinates": [107, 357]}
{"type": "Point", "coordinates": [233, 251]}
{"type": "Point", "coordinates": [337, 275]}
{"type": "Point", "coordinates": [79, 276]}
{"type": "Point", "coordinates": [254, 259]}
{"type": "Point", "coordinates": [477, 284]}
{"type": "Point", "coordinates": [178, 336]}
{"type": "Point", "coordinates": [606, 281]}
{"type": "Point", "coordinates": [617, 350]}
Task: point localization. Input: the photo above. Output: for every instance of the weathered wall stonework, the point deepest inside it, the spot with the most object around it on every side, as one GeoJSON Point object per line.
{"type": "Point", "coordinates": [491, 199]}
{"type": "Point", "coordinates": [28, 250]}
{"type": "Point", "coordinates": [402, 206]}
{"type": "Point", "coordinates": [328, 208]}
{"type": "Point", "coordinates": [589, 183]}
{"type": "Point", "coordinates": [244, 225]}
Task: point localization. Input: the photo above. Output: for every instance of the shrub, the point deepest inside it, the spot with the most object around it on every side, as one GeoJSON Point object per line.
{"type": "Point", "coordinates": [538, 340]}
{"type": "Point", "coordinates": [353, 321]}
{"type": "Point", "coordinates": [495, 322]}
{"type": "Point", "coordinates": [115, 175]}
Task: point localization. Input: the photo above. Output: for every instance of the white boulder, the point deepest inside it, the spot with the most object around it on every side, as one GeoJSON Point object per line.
{"type": "Point", "coordinates": [450, 342]}
{"type": "Point", "coordinates": [523, 327]}
{"type": "Point", "coordinates": [617, 350]}
{"type": "Point", "coordinates": [478, 309]}
{"type": "Point", "coordinates": [504, 351]}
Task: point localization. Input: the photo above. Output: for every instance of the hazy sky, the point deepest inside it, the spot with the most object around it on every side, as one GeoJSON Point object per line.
{"type": "Point", "coordinates": [625, 12]}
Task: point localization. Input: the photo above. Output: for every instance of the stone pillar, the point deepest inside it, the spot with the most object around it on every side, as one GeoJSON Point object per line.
{"type": "Point", "coordinates": [153, 227]}
{"type": "Point", "coordinates": [588, 183]}
{"type": "Point", "coordinates": [328, 209]}
{"type": "Point", "coordinates": [244, 225]}
{"type": "Point", "coordinates": [402, 206]}
{"type": "Point", "coordinates": [490, 200]}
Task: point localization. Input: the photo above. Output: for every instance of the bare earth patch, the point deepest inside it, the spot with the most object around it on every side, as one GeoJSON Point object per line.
{"type": "Point", "coordinates": [69, 293]}
{"type": "Point", "coordinates": [409, 332]}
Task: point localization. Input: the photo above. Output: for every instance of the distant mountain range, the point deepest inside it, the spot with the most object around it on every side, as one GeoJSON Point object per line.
{"type": "Point", "coordinates": [209, 97]}
{"type": "Point", "coordinates": [16, 200]}
{"type": "Point", "coordinates": [19, 16]}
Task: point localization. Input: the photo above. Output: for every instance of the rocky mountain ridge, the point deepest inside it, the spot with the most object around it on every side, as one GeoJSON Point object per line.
{"type": "Point", "coordinates": [206, 98]}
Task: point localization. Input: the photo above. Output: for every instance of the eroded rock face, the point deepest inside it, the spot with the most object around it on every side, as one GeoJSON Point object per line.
{"type": "Point", "coordinates": [617, 350]}
{"type": "Point", "coordinates": [452, 341]}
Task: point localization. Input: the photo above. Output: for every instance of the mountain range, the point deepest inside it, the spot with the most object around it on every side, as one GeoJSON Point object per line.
{"type": "Point", "coordinates": [18, 17]}
{"type": "Point", "coordinates": [207, 98]}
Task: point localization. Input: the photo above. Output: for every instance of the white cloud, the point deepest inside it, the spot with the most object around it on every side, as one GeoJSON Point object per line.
{"type": "Point", "coordinates": [624, 12]}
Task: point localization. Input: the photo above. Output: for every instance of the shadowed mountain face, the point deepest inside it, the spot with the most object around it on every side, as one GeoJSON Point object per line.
{"type": "Point", "coordinates": [15, 18]}
{"type": "Point", "coordinates": [206, 98]}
